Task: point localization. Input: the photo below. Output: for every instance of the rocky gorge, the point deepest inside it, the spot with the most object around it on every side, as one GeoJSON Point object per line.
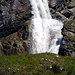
{"type": "Point", "coordinates": [15, 17]}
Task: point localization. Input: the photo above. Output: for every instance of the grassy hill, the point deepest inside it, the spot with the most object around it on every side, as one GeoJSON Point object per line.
{"type": "Point", "coordinates": [37, 64]}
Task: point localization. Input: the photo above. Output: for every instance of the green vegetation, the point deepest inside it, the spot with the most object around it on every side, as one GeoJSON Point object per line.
{"type": "Point", "coordinates": [68, 25]}
{"type": "Point", "coordinates": [67, 2]}
{"type": "Point", "coordinates": [71, 47]}
{"type": "Point", "coordinates": [68, 36]}
{"type": "Point", "coordinates": [71, 38]}
{"type": "Point", "coordinates": [0, 52]}
{"type": "Point", "coordinates": [37, 64]}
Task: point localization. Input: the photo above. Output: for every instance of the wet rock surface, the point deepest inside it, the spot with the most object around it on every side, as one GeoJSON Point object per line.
{"type": "Point", "coordinates": [68, 42]}
{"type": "Point", "coordinates": [14, 24]}
{"type": "Point", "coordinates": [64, 10]}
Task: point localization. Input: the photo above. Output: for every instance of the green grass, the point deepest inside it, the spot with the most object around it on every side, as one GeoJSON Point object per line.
{"type": "Point", "coordinates": [37, 64]}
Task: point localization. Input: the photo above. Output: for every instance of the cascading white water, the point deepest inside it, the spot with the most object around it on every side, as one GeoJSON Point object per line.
{"type": "Point", "coordinates": [45, 32]}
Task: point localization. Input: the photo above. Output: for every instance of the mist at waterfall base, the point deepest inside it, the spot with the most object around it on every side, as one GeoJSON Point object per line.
{"type": "Point", "coordinates": [44, 32]}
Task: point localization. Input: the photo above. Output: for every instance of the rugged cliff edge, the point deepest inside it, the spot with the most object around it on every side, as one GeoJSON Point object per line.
{"type": "Point", "coordinates": [14, 23]}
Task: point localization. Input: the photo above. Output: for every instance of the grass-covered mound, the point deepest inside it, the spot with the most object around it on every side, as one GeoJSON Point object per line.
{"type": "Point", "coordinates": [37, 64]}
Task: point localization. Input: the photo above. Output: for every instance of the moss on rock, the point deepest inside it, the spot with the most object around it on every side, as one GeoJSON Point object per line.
{"type": "Point", "coordinates": [13, 44]}
{"type": "Point", "coordinates": [68, 25]}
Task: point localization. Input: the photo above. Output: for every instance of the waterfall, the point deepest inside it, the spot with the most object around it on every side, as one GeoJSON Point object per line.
{"type": "Point", "coordinates": [45, 32]}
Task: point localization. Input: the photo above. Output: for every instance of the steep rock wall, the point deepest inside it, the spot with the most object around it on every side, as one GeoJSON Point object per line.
{"type": "Point", "coordinates": [13, 15]}
{"type": "Point", "coordinates": [64, 10]}
{"type": "Point", "coordinates": [14, 23]}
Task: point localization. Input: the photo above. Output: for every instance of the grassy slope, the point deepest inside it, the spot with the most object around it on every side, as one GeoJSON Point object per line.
{"type": "Point", "coordinates": [37, 64]}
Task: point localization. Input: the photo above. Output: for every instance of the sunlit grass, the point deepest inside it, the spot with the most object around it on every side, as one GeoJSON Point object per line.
{"type": "Point", "coordinates": [37, 64]}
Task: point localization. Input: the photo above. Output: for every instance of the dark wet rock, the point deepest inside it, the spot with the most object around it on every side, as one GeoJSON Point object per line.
{"type": "Point", "coordinates": [15, 17]}
{"type": "Point", "coordinates": [64, 10]}
{"type": "Point", "coordinates": [68, 42]}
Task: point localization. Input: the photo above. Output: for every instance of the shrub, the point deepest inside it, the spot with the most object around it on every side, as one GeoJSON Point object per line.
{"type": "Point", "coordinates": [56, 69]}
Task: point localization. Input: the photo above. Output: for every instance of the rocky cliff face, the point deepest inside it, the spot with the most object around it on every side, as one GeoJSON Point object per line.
{"type": "Point", "coordinates": [13, 15]}
{"type": "Point", "coordinates": [64, 10]}
{"type": "Point", "coordinates": [14, 23]}
{"type": "Point", "coordinates": [68, 43]}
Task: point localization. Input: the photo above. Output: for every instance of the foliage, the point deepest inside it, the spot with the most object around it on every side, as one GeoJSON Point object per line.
{"type": "Point", "coordinates": [69, 68]}
{"type": "Point", "coordinates": [56, 68]}
{"type": "Point", "coordinates": [37, 64]}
